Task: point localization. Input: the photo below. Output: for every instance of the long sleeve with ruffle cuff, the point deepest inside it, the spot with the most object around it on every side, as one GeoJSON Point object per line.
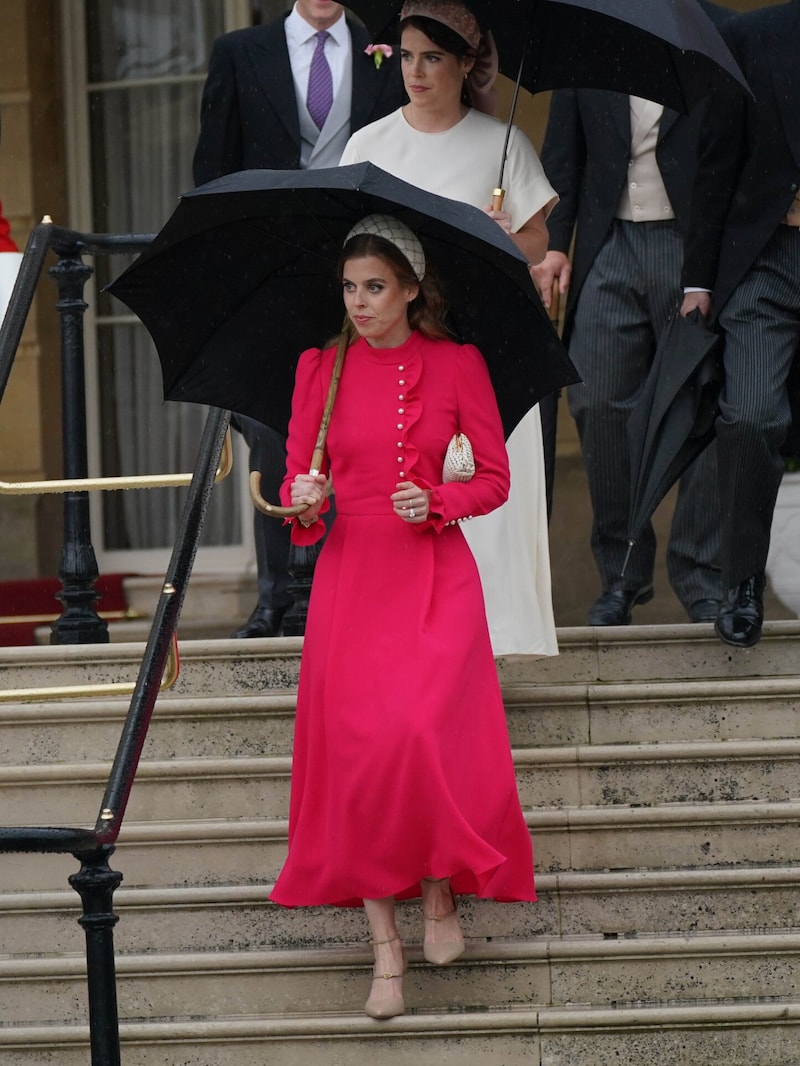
{"type": "Point", "coordinates": [304, 535]}
{"type": "Point", "coordinates": [308, 401]}
{"type": "Point", "coordinates": [479, 418]}
{"type": "Point", "coordinates": [450, 504]}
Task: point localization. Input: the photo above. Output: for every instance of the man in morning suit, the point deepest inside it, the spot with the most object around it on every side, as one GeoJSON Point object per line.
{"type": "Point", "coordinates": [281, 97]}
{"type": "Point", "coordinates": [623, 168]}
{"type": "Point", "coordinates": [744, 247]}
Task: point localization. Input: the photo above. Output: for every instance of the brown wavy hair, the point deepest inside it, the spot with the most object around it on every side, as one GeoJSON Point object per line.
{"type": "Point", "coordinates": [427, 312]}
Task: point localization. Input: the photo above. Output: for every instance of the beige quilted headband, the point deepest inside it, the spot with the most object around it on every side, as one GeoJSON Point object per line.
{"type": "Point", "coordinates": [397, 233]}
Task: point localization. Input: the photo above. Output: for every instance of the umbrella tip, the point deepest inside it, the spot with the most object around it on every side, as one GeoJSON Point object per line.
{"type": "Point", "coordinates": [627, 558]}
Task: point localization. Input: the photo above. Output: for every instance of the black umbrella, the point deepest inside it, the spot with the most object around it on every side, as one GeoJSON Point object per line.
{"type": "Point", "coordinates": [664, 50]}
{"type": "Point", "coordinates": [673, 421]}
{"type": "Point", "coordinates": [242, 278]}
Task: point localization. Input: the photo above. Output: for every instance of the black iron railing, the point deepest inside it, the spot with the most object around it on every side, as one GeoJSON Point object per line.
{"type": "Point", "coordinates": [96, 881]}
{"type": "Point", "coordinates": [79, 622]}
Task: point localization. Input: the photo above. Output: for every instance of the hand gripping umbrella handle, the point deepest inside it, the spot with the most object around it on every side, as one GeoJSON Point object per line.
{"type": "Point", "coordinates": [319, 448]}
{"type": "Point", "coordinates": [555, 302]}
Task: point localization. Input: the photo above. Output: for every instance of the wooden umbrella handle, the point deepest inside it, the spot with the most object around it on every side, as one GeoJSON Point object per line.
{"type": "Point", "coordinates": [555, 302]}
{"type": "Point", "coordinates": [318, 455]}
{"type": "Point", "coordinates": [498, 196]}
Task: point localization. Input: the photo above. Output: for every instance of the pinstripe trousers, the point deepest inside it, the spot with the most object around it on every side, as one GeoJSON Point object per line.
{"type": "Point", "coordinates": [761, 322]}
{"type": "Point", "coordinates": [272, 537]}
{"type": "Point", "coordinates": [629, 294]}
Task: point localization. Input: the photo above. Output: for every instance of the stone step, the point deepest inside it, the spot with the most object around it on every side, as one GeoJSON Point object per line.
{"type": "Point", "coordinates": [252, 850]}
{"type": "Point", "coordinates": [185, 788]}
{"type": "Point", "coordinates": [596, 775]}
{"type": "Point", "coordinates": [214, 727]}
{"type": "Point", "coordinates": [228, 917]}
{"type": "Point", "coordinates": [207, 667]}
{"type": "Point", "coordinates": [592, 775]}
{"type": "Point", "coordinates": [591, 971]}
{"type": "Point", "coordinates": [672, 835]}
{"type": "Point", "coordinates": [587, 656]}
{"type": "Point", "coordinates": [215, 604]}
{"type": "Point", "coordinates": [656, 653]}
{"type": "Point", "coordinates": [653, 764]}
{"type": "Point", "coordinates": [262, 723]}
{"type": "Point", "coordinates": [653, 711]}
{"type": "Point", "coordinates": [740, 1034]}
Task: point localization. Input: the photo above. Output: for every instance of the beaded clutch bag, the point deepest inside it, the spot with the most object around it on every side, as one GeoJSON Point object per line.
{"type": "Point", "coordinates": [459, 462]}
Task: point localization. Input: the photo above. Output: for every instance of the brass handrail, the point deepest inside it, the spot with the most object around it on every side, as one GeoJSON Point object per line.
{"type": "Point", "coordinates": [137, 481]}
{"type": "Point", "coordinates": [129, 614]}
{"type": "Point", "coordinates": [113, 688]}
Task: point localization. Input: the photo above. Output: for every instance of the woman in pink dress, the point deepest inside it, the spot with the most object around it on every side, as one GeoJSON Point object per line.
{"type": "Point", "coordinates": [403, 783]}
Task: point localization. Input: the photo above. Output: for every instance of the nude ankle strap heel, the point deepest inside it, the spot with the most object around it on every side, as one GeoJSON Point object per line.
{"type": "Point", "coordinates": [442, 952]}
{"type": "Point", "coordinates": [382, 1007]}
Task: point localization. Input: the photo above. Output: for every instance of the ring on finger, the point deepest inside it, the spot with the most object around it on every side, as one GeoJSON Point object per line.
{"type": "Point", "coordinates": [411, 513]}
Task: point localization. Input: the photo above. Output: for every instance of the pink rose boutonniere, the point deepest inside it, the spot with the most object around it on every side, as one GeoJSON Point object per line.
{"type": "Point", "coordinates": [379, 52]}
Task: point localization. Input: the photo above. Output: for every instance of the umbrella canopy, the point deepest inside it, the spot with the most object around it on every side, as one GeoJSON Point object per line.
{"type": "Point", "coordinates": [242, 278]}
{"type": "Point", "coordinates": [664, 50]}
{"type": "Point", "coordinates": [674, 419]}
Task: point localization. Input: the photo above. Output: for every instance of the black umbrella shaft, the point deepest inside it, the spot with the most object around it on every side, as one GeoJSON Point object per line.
{"type": "Point", "coordinates": [509, 124]}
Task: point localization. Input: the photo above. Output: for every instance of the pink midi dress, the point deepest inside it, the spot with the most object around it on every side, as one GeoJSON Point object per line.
{"type": "Point", "coordinates": [402, 766]}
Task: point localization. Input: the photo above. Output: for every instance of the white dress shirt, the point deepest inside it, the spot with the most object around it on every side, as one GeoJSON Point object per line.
{"type": "Point", "coordinates": [301, 39]}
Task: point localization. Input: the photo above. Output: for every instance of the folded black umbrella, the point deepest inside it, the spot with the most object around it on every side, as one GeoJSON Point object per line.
{"type": "Point", "coordinates": [673, 421]}
{"type": "Point", "coordinates": [242, 278]}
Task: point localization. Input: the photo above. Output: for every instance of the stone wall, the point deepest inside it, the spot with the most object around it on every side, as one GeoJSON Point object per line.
{"type": "Point", "coordinates": [32, 183]}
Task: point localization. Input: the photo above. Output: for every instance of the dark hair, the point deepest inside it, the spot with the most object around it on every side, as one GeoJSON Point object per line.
{"type": "Point", "coordinates": [427, 312]}
{"type": "Point", "coordinates": [440, 34]}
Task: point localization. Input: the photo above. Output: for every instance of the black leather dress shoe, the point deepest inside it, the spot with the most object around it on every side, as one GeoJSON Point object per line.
{"type": "Point", "coordinates": [742, 613]}
{"type": "Point", "coordinates": [703, 611]}
{"type": "Point", "coordinates": [614, 607]}
{"type": "Point", "coordinates": [263, 622]}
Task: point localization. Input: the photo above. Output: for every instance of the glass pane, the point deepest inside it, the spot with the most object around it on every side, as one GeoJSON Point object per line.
{"type": "Point", "coordinates": [142, 144]}
{"type": "Point", "coordinates": [132, 39]}
{"type": "Point", "coordinates": [142, 435]}
{"type": "Point", "coordinates": [142, 140]}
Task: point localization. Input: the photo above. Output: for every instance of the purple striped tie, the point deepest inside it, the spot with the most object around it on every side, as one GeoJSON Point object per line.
{"type": "Point", "coordinates": [320, 83]}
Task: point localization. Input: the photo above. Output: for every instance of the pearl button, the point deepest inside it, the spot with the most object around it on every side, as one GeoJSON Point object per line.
{"type": "Point", "coordinates": [401, 410]}
{"type": "Point", "coordinates": [401, 397]}
{"type": "Point", "coordinates": [401, 382]}
{"type": "Point", "coordinates": [399, 444]}
{"type": "Point", "coordinates": [402, 473]}
{"type": "Point", "coordinates": [401, 368]}
{"type": "Point", "coordinates": [399, 425]}
{"type": "Point", "coordinates": [399, 458]}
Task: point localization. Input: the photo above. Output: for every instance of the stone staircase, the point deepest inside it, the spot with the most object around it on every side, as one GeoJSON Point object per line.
{"type": "Point", "coordinates": [658, 770]}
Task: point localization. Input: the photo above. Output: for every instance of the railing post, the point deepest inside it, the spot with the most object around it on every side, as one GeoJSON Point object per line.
{"type": "Point", "coordinates": [302, 561]}
{"type": "Point", "coordinates": [96, 883]}
{"type": "Point", "coordinates": [79, 622]}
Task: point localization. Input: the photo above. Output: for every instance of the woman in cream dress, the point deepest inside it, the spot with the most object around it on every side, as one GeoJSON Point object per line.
{"type": "Point", "coordinates": [441, 144]}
